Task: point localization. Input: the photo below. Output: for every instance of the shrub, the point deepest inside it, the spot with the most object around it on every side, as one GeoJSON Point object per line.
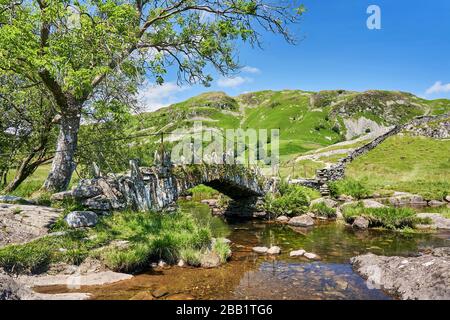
{"type": "Point", "coordinates": [390, 218]}
{"type": "Point", "coordinates": [321, 209]}
{"type": "Point", "coordinates": [349, 187]}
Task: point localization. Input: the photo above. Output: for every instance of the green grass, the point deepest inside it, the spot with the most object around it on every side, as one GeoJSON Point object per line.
{"type": "Point", "coordinates": [202, 192]}
{"type": "Point", "coordinates": [403, 163]}
{"type": "Point", "coordinates": [292, 201]}
{"type": "Point", "coordinates": [348, 187]}
{"type": "Point", "coordinates": [151, 236]}
{"type": "Point", "coordinates": [389, 218]}
{"type": "Point", "coordinates": [322, 210]}
{"type": "Point", "coordinates": [30, 187]}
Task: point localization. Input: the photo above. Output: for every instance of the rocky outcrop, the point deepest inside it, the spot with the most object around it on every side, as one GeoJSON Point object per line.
{"type": "Point", "coordinates": [436, 127]}
{"type": "Point", "coordinates": [160, 186]}
{"type": "Point", "coordinates": [426, 277]}
{"type": "Point", "coordinates": [23, 223]}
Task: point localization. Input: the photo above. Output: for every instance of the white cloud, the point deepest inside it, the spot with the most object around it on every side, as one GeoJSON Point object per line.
{"type": "Point", "coordinates": [232, 82]}
{"type": "Point", "coordinates": [248, 69]}
{"type": "Point", "coordinates": [153, 97]}
{"type": "Point", "coordinates": [438, 87]}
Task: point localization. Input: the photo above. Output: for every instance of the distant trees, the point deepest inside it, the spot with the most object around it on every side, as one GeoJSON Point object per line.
{"type": "Point", "coordinates": [72, 47]}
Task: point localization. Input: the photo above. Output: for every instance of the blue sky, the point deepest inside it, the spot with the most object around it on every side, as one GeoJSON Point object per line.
{"type": "Point", "coordinates": [337, 51]}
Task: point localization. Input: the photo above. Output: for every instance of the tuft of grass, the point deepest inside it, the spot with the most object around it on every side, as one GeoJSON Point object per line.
{"type": "Point", "coordinates": [191, 256]}
{"type": "Point", "coordinates": [349, 187]}
{"type": "Point", "coordinates": [389, 218]}
{"type": "Point", "coordinates": [222, 249]}
{"type": "Point", "coordinates": [321, 209]}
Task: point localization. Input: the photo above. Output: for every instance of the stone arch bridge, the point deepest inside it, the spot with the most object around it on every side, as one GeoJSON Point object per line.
{"type": "Point", "coordinates": [158, 187]}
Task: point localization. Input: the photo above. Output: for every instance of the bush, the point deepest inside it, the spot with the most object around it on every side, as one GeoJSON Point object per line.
{"type": "Point", "coordinates": [348, 187]}
{"type": "Point", "coordinates": [321, 209]}
{"type": "Point", "coordinates": [390, 218]}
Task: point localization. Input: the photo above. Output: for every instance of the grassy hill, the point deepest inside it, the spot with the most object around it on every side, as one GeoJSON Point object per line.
{"type": "Point", "coordinates": [308, 121]}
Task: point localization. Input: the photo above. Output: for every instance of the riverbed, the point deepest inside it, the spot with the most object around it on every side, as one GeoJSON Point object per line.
{"type": "Point", "coordinates": [251, 276]}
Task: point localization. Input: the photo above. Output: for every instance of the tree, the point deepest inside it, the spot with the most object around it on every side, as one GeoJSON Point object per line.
{"type": "Point", "coordinates": [27, 129]}
{"type": "Point", "coordinates": [73, 46]}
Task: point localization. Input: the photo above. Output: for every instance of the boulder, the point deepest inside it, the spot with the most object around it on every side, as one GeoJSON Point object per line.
{"type": "Point", "coordinates": [260, 249]}
{"type": "Point", "coordinates": [282, 219]}
{"type": "Point", "coordinates": [210, 260]}
{"type": "Point", "coordinates": [160, 292]}
{"type": "Point", "coordinates": [330, 203]}
{"type": "Point", "coordinates": [437, 221]}
{"type": "Point", "coordinates": [81, 219]}
{"type": "Point", "coordinates": [60, 196]}
{"type": "Point", "coordinates": [368, 203]}
{"type": "Point", "coordinates": [100, 203]}
{"type": "Point", "coordinates": [297, 253]}
{"type": "Point", "coordinates": [345, 198]}
{"type": "Point", "coordinates": [360, 223]}
{"type": "Point", "coordinates": [86, 189]}
{"type": "Point", "coordinates": [435, 203]}
{"type": "Point", "coordinates": [274, 250]}
{"type": "Point", "coordinates": [302, 221]}
{"type": "Point", "coordinates": [13, 200]}
{"type": "Point", "coordinates": [311, 256]}
{"type": "Point", "coordinates": [447, 198]}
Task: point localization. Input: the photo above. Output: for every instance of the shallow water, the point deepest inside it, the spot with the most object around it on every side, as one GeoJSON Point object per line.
{"type": "Point", "coordinates": [252, 276]}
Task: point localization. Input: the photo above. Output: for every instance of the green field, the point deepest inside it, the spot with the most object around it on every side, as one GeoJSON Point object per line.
{"type": "Point", "coordinates": [403, 163]}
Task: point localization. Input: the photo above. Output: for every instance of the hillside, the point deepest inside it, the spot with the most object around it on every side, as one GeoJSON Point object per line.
{"type": "Point", "coordinates": [307, 120]}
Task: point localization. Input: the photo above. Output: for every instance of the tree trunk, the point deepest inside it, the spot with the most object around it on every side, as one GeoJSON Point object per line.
{"type": "Point", "coordinates": [64, 161]}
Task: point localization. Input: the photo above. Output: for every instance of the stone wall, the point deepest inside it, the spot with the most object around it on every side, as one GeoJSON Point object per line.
{"type": "Point", "coordinates": [159, 187]}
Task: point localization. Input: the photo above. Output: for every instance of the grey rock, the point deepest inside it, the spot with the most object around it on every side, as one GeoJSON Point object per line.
{"type": "Point", "coordinates": [60, 196]}
{"type": "Point", "coordinates": [210, 260]}
{"type": "Point", "coordinates": [360, 223]}
{"type": "Point", "coordinates": [345, 198]}
{"type": "Point", "coordinates": [330, 203]}
{"type": "Point", "coordinates": [260, 249]}
{"type": "Point", "coordinates": [435, 203]}
{"type": "Point", "coordinates": [311, 256]}
{"type": "Point", "coordinates": [447, 198]}
{"type": "Point", "coordinates": [301, 221]}
{"type": "Point", "coordinates": [437, 221]}
{"type": "Point", "coordinates": [282, 219]}
{"type": "Point", "coordinates": [81, 219]}
{"type": "Point", "coordinates": [426, 277]}
{"type": "Point", "coordinates": [10, 289]}
{"type": "Point", "coordinates": [297, 253]}
{"type": "Point", "coordinates": [368, 203]}
{"type": "Point", "coordinates": [98, 203]}
{"type": "Point", "coordinates": [13, 200]}
{"type": "Point", "coordinates": [274, 250]}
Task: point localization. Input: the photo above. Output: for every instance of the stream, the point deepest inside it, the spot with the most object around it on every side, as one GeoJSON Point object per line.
{"type": "Point", "coordinates": [251, 276]}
